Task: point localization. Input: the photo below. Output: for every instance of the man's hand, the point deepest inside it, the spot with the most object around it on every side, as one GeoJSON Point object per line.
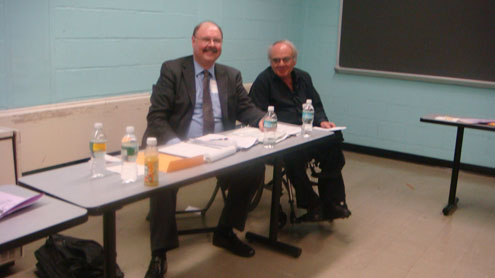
{"type": "Point", "coordinates": [260, 124]}
{"type": "Point", "coordinates": [327, 124]}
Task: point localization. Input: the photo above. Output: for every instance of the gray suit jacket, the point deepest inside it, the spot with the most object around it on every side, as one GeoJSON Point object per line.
{"type": "Point", "coordinates": [174, 96]}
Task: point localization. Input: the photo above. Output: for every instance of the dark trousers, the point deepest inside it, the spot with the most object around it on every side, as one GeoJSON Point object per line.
{"type": "Point", "coordinates": [241, 184]}
{"type": "Point", "coordinates": [330, 181]}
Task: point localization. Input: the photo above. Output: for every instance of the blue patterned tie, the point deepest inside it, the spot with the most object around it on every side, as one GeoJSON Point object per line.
{"type": "Point", "coordinates": [208, 122]}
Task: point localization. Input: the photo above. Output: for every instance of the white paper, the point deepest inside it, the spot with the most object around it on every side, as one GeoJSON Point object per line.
{"type": "Point", "coordinates": [212, 137]}
{"type": "Point", "coordinates": [10, 202]}
{"type": "Point", "coordinates": [214, 140]}
{"type": "Point", "coordinates": [118, 169]}
{"type": "Point", "coordinates": [109, 158]}
{"type": "Point", "coordinates": [243, 142]}
{"type": "Point", "coordinates": [289, 129]}
{"type": "Point", "coordinates": [257, 134]}
{"type": "Point", "coordinates": [188, 149]}
{"type": "Point", "coordinates": [248, 132]}
{"type": "Point", "coordinates": [447, 118]}
{"type": "Point", "coordinates": [465, 120]}
{"type": "Point", "coordinates": [337, 128]}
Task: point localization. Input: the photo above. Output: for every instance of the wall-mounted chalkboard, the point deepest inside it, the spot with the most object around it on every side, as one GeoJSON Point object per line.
{"type": "Point", "coordinates": [435, 40]}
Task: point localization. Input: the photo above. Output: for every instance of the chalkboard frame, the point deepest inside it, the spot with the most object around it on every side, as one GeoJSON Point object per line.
{"type": "Point", "coordinates": [408, 75]}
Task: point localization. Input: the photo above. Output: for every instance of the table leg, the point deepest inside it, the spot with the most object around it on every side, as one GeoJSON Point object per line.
{"type": "Point", "coordinates": [272, 241]}
{"type": "Point", "coordinates": [453, 200]}
{"type": "Point", "coordinates": [109, 244]}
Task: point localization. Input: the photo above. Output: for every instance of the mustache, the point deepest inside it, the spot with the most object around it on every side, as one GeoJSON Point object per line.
{"type": "Point", "coordinates": [212, 49]}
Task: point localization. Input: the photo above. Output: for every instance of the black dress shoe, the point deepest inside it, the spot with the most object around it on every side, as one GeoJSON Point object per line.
{"type": "Point", "coordinates": [157, 267]}
{"type": "Point", "coordinates": [314, 214]}
{"type": "Point", "coordinates": [228, 240]}
{"type": "Point", "coordinates": [335, 211]}
{"type": "Point", "coordinates": [311, 216]}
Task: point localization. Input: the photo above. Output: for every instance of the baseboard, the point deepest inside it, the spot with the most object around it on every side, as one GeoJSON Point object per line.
{"type": "Point", "coordinates": [417, 158]}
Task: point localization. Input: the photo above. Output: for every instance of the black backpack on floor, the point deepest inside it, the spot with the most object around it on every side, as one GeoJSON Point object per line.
{"type": "Point", "coordinates": [68, 257]}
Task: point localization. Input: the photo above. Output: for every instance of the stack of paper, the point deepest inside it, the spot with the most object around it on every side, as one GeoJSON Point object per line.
{"type": "Point", "coordinates": [243, 142]}
{"type": "Point", "coordinates": [217, 146]}
{"type": "Point", "coordinates": [283, 131]}
{"type": "Point", "coordinates": [10, 202]}
{"type": "Point", "coordinates": [210, 151]}
{"type": "Point", "coordinates": [289, 129]}
{"type": "Point", "coordinates": [336, 128]}
{"type": "Point", "coordinates": [257, 135]}
{"type": "Point", "coordinates": [481, 121]}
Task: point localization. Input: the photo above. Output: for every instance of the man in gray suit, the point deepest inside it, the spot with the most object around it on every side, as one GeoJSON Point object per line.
{"type": "Point", "coordinates": [177, 112]}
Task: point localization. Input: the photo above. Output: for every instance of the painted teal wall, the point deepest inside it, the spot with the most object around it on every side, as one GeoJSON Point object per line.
{"type": "Point", "coordinates": [384, 113]}
{"type": "Point", "coordinates": [62, 50]}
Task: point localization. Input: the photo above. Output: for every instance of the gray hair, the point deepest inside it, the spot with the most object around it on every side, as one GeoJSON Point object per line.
{"type": "Point", "coordinates": [286, 42]}
{"type": "Point", "coordinates": [203, 22]}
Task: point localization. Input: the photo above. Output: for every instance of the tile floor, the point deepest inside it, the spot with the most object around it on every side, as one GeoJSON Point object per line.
{"type": "Point", "coordinates": [397, 229]}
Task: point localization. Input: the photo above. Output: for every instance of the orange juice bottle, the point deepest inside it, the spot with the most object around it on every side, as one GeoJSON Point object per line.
{"type": "Point", "coordinates": [151, 162]}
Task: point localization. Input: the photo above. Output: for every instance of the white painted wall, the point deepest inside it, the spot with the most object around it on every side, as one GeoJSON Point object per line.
{"type": "Point", "coordinates": [60, 133]}
{"type": "Point", "coordinates": [8, 159]}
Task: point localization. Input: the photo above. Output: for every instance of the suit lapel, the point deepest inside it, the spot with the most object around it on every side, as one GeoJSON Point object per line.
{"type": "Point", "coordinates": [223, 92]}
{"type": "Point", "coordinates": [189, 80]}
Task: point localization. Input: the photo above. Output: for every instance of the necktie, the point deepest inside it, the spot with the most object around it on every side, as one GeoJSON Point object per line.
{"type": "Point", "coordinates": [208, 122]}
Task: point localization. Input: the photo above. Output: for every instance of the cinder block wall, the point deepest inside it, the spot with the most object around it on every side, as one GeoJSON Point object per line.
{"type": "Point", "coordinates": [54, 51]}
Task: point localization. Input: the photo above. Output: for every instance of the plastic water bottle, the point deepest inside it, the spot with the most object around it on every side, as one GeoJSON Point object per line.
{"type": "Point", "coordinates": [151, 162]}
{"type": "Point", "coordinates": [308, 114]}
{"type": "Point", "coordinates": [270, 128]}
{"type": "Point", "coordinates": [128, 153]}
{"type": "Point", "coordinates": [98, 149]}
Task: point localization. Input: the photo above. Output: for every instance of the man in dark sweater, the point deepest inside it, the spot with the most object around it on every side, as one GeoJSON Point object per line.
{"type": "Point", "coordinates": [287, 88]}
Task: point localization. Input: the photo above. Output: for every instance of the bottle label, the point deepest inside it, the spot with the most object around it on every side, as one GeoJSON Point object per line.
{"type": "Point", "coordinates": [151, 171]}
{"type": "Point", "coordinates": [128, 151]}
{"type": "Point", "coordinates": [307, 115]}
{"type": "Point", "coordinates": [269, 124]}
{"type": "Point", "coordinates": [98, 147]}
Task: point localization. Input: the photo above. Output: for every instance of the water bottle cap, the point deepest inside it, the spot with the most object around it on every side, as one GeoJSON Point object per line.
{"type": "Point", "coordinates": [271, 108]}
{"type": "Point", "coordinates": [309, 101]}
{"type": "Point", "coordinates": [129, 129]}
{"type": "Point", "coordinates": [151, 141]}
{"type": "Point", "coordinates": [98, 125]}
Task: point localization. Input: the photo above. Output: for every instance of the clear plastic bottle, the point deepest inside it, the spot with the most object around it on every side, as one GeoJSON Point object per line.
{"type": "Point", "coordinates": [308, 114]}
{"type": "Point", "coordinates": [270, 128]}
{"type": "Point", "coordinates": [98, 149]}
{"type": "Point", "coordinates": [151, 162]}
{"type": "Point", "coordinates": [128, 153]}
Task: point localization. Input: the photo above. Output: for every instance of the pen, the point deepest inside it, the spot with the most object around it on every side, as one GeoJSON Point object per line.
{"type": "Point", "coordinates": [214, 139]}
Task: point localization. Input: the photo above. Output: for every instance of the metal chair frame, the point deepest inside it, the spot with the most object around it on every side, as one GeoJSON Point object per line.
{"type": "Point", "coordinates": [313, 173]}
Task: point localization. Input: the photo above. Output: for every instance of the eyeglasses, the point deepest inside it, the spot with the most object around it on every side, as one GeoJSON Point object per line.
{"type": "Point", "coordinates": [278, 60]}
{"type": "Point", "coordinates": [208, 40]}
